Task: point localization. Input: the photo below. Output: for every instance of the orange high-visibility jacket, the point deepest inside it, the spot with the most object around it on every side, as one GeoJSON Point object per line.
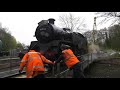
{"type": "Point", "coordinates": [69, 58]}
{"type": "Point", "coordinates": [33, 61]}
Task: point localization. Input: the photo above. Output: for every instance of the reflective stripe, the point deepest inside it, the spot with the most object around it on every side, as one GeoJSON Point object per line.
{"type": "Point", "coordinates": [49, 61]}
{"type": "Point", "coordinates": [32, 70]}
{"type": "Point", "coordinates": [31, 58]}
{"type": "Point", "coordinates": [24, 61]}
{"type": "Point", "coordinates": [38, 67]}
{"type": "Point", "coordinates": [36, 57]}
{"type": "Point", "coordinates": [33, 53]}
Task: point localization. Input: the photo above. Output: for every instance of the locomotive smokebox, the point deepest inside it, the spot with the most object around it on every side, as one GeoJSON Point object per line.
{"type": "Point", "coordinates": [51, 20]}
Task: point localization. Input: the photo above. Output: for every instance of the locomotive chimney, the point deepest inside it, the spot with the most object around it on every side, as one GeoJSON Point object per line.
{"type": "Point", "coordinates": [51, 20]}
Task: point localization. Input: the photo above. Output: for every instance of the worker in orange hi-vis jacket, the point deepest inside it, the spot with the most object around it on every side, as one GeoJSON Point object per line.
{"type": "Point", "coordinates": [71, 61]}
{"type": "Point", "coordinates": [33, 61]}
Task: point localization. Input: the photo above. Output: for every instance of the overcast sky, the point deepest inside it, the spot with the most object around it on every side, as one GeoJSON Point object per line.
{"type": "Point", "coordinates": [22, 25]}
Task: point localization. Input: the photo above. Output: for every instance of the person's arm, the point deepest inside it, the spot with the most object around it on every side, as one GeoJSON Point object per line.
{"type": "Point", "coordinates": [23, 62]}
{"type": "Point", "coordinates": [46, 60]}
{"type": "Point", "coordinates": [60, 58]}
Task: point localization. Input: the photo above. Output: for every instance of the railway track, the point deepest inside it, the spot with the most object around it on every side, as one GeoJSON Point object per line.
{"type": "Point", "coordinates": [62, 74]}
{"type": "Point", "coordinates": [9, 67]}
{"type": "Point", "coordinates": [8, 73]}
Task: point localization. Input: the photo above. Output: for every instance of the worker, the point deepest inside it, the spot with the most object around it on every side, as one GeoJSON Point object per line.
{"type": "Point", "coordinates": [71, 61]}
{"type": "Point", "coordinates": [22, 53]}
{"type": "Point", "coordinates": [33, 61]}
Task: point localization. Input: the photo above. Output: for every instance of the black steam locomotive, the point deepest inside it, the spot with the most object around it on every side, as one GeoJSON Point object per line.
{"type": "Point", "coordinates": [50, 37]}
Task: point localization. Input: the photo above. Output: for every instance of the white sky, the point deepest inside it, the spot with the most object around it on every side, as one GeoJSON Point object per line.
{"type": "Point", "coordinates": [22, 25]}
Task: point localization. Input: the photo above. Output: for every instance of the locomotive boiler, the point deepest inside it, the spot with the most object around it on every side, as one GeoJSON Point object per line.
{"type": "Point", "coordinates": [50, 37]}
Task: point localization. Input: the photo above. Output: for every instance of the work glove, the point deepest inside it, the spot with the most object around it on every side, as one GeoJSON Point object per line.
{"type": "Point", "coordinates": [20, 71]}
{"type": "Point", "coordinates": [53, 63]}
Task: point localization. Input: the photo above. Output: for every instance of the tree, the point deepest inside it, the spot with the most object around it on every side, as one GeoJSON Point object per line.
{"type": "Point", "coordinates": [20, 46]}
{"type": "Point", "coordinates": [0, 45]}
{"type": "Point", "coordinates": [88, 35]}
{"type": "Point", "coordinates": [113, 16]}
{"type": "Point", "coordinates": [72, 22]}
{"type": "Point", "coordinates": [100, 37]}
{"type": "Point", "coordinates": [114, 33]}
{"type": "Point", "coordinates": [8, 41]}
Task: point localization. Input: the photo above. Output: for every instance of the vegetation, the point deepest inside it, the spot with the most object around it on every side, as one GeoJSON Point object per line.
{"type": "Point", "coordinates": [114, 17]}
{"type": "Point", "coordinates": [8, 41]}
{"type": "Point", "coordinates": [72, 22]}
{"type": "Point", "coordinates": [107, 38]}
{"type": "Point", "coordinates": [114, 40]}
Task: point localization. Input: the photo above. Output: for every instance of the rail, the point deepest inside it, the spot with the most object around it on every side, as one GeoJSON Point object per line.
{"type": "Point", "coordinates": [7, 74]}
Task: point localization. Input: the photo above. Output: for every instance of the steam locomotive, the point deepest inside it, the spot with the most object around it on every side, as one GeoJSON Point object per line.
{"type": "Point", "coordinates": [50, 37]}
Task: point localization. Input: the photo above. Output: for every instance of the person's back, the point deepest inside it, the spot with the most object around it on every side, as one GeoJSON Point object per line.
{"type": "Point", "coordinates": [34, 58]}
{"type": "Point", "coordinates": [34, 63]}
{"type": "Point", "coordinates": [69, 58]}
{"type": "Point", "coordinates": [71, 61]}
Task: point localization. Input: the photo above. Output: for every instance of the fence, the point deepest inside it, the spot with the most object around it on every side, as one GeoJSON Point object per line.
{"type": "Point", "coordinates": [9, 66]}
{"type": "Point", "coordinates": [13, 52]}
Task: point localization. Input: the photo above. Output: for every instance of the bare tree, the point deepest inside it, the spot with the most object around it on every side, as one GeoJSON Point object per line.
{"type": "Point", "coordinates": [72, 22]}
{"type": "Point", "coordinates": [113, 16]}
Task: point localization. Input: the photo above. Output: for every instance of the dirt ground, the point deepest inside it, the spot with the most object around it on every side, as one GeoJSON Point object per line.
{"type": "Point", "coordinates": [109, 68]}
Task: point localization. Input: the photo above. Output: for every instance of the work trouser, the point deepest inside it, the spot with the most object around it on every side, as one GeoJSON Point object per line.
{"type": "Point", "coordinates": [77, 71]}
{"type": "Point", "coordinates": [40, 76]}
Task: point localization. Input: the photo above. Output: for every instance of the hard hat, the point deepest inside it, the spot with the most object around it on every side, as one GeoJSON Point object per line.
{"type": "Point", "coordinates": [63, 46]}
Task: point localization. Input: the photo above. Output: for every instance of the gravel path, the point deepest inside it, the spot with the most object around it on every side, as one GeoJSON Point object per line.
{"type": "Point", "coordinates": [104, 69]}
